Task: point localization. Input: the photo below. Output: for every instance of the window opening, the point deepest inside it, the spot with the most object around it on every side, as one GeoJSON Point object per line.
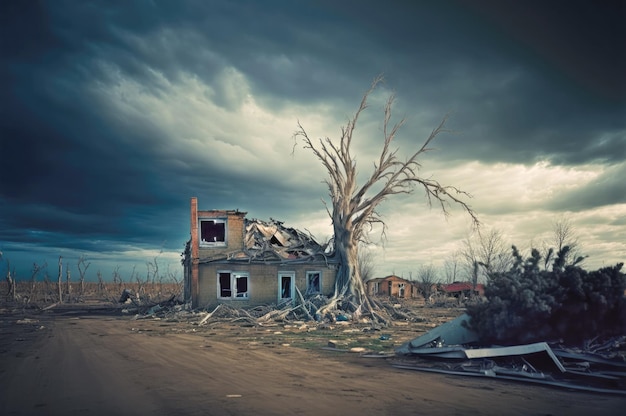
{"type": "Point", "coordinates": [285, 287]}
{"type": "Point", "coordinates": [233, 285]}
{"type": "Point", "coordinates": [213, 232]}
{"type": "Point", "coordinates": [242, 286]}
{"type": "Point", "coordinates": [225, 291]}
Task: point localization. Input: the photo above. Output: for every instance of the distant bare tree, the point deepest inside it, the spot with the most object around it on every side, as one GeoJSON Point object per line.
{"type": "Point", "coordinates": [564, 236]}
{"type": "Point", "coordinates": [140, 283]}
{"type": "Point", "coordinates": [117, 278]}
{"type": "Point", "coordinates": [353, 208]}
{"type": "Point", "coordinates": [33, 279]}
{"type": "Point", "coordinates": [153, 274]}
{"type": "Point", "coordinates": [48, 287]}
{"type": "Point", "coordinates": [153, 271]}
{"type": "Point", "coordinates": [366, 264]}
{"type": "Point", "coordinates": [452, 267]}
{"type": "Point", "coordinates": [101, 285]}
{"type": "Point", "coordinates": [59, 279]}
{"type": "Point", "coordinates": [173, 277]}
{"type": "Point", "coordinates": [484, 254]}
{"type": "Point", "coordinates": [427, 277]}
{"type": "Point", "coordinates": [68, 286]}
{"type": "Point", "coordinates": [82, 269]}
{"type": "Point", "coordinates": [11, 285]}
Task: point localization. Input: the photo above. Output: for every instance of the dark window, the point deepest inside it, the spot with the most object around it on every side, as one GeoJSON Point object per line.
{"type": "Point", "coordinates": [225, 291]}
{"type": "Point", "coordinates": [232, 284]}
{"type": "Point", "coordinates": [212, 231]}
{"type": "Point", "coordinates": [285, 284]}
{"type": "Point", "coordinates": [241, 283]}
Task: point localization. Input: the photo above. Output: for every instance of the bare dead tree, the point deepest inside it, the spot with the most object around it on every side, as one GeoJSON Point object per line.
{"type": "Point", "coordinates": [153, 274]}
{"type": "Point", "coordinates": [12, 292]}
{"type": "Point", "coordinates": [68, 286]}
{"type": "Point", "coordinates": [173, 278]}
{"type": "Point", "coordinates": [140, 283]}
{"type": "Point", "coordinates": [353, 211]}
{"type": "Point", "coordinates": [101, 285]}
{"type": "Point", "coordinates": [486, 253]}
{"type": "Point", "coordinates": [563, 236]}
{"type": "Point", "coordinates": [33, 279]}
{"type": "Point", "coordinates": [427, 277]}
{"type": "Point", "coordinates": [82, 269]}
{"type": "Point", "coordinates": [48, 287]}
{"type": "Point", "coordinates": [452, 267]}
{"type": "Point", "coordinates": [366, 263]}
{"type": "Point", "coordinates": [11, 284]}
{"type": "Point", "coordinates": [117, 278]}
{"type": "Point", "coordinates": [59, 279]}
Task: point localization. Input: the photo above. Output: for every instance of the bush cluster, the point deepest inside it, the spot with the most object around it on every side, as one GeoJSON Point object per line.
{"type": "Point", "coordinates": [534, 302]}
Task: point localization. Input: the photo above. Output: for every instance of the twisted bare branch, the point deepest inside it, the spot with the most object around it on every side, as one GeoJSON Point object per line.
{"type": "Point", "coordinates": [354, 208]}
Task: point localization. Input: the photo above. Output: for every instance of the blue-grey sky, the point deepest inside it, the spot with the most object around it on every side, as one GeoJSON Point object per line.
{"type": "Point", "coordinates": [114, 113]}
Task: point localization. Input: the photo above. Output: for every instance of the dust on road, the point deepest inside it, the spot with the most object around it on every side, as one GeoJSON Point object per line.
{"type": "Point", "coordinates": [112, 365]}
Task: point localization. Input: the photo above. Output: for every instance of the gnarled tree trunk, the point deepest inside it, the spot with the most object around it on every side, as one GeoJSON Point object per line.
{"type": "Point", "coordinates": [354, 207]}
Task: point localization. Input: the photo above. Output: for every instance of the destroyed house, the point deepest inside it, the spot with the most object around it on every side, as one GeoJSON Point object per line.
{"type": "Point", "coordinates": [391, 286]}
{"type": "Point", "coordinates": [246, 262]}
{"type": "Point", "coordinates": [462, 289]}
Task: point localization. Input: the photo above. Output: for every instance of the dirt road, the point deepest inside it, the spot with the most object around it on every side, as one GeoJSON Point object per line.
{"type": "Point", "coordinates": [98, 365]}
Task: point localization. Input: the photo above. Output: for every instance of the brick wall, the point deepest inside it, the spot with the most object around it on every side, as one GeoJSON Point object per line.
{"type": "Point", "coordinates": [234, 228]}
{"type": "Point", "coordinates": [384, 287]}
{"type": "Point", "coordinates": [262, 283]}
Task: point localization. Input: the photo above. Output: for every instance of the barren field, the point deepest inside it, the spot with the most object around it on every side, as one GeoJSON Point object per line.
{"type": "Point", "coordinates": [71, 360]}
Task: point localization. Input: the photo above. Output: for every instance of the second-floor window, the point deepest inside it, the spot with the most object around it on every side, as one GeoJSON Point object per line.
{"type": "Point", "coordinates": [212, 232]}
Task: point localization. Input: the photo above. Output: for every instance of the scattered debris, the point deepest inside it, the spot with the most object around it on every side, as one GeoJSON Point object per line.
{"type": "Point", "coordinates": [453, 349]}
{"type": "Point", "coordinates": [208, 315]}
{"type": "Point", "coordinates": [454, 332]}
{"type": "Point", "coordinates": [272, 240]}
{"type": "Point", "coordinates": [26, 321]}
{"type": "Point", "coordinates": [126, 296]}
{"type": "Point", "coordinates": [450, 348]}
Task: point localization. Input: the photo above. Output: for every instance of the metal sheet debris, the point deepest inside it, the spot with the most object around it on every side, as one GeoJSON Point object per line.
{"type": "Point", "coordinates": [514, 350]}
{"type": "Point", "coordinates": [454, 332]}
{"type": "Point", "coordinates": [452, 348]}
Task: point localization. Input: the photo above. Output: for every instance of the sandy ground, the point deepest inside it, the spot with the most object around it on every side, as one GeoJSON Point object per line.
{"type": "Point", "coordinates": [53, 364]}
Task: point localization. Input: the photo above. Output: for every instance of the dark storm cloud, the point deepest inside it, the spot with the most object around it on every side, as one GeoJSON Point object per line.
{"type": "Point", "coordinates": [524, 81]}
{"type": "Point", "coordinates": [577, 41]}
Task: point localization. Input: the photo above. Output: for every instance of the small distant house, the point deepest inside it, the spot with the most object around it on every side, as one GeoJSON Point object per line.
{"type": "Point", "coordinates": [462, 289]}
{"type": "Point", "coordinates": [392, 286]}
{"type": "Point", "coordinates": [247, 262]}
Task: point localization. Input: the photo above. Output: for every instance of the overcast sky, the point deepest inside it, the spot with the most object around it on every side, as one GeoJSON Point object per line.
{"type": "Point", "coordinates": [113, 114]}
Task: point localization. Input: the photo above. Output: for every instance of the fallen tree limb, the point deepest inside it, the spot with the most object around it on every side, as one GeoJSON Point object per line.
{"type": "Point", "coordinates": [50, 306]}
{"type": "Point", "coordinates": [208, 315]}
{"type": "Point", "coordinates": [302, 304]}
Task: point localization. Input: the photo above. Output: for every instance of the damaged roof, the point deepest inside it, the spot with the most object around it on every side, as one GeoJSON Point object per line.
{"type": "Point", "coordinates": [461, 286]}
{"type": "Point", "coordinates": [272, 241]}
